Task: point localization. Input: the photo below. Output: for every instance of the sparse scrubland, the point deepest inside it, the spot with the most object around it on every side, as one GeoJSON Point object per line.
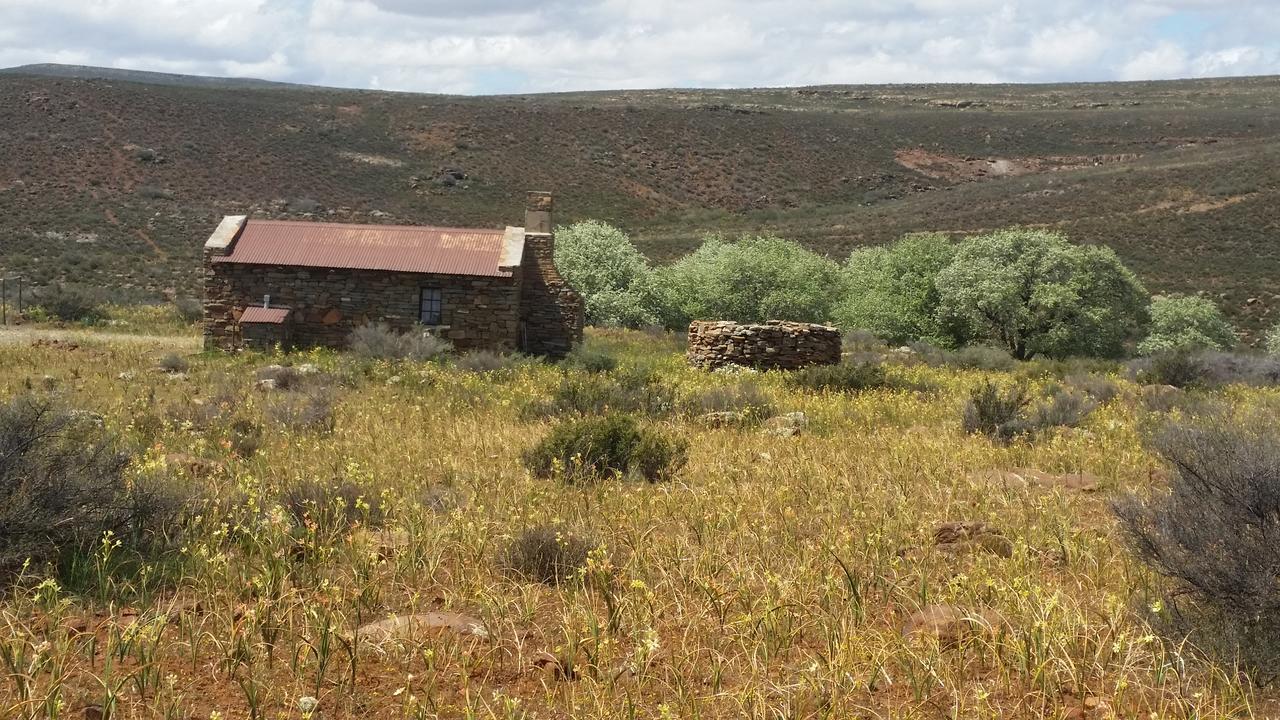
{"type": "Point", "coordinates": [332, 535]}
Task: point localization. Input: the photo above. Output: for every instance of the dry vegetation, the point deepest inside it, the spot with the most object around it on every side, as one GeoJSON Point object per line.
{"type": "Point", "coordinates": [878, 563]}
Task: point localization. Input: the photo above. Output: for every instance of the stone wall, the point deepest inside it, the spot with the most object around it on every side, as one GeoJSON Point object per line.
{"type": "Point", "coordinates": [773, 345]}
{"type": "Point", "coordinates": [327, 304]}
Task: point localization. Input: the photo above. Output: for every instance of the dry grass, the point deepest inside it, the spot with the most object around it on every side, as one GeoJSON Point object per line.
{"type": "Point", "coordinates": [772, 578]}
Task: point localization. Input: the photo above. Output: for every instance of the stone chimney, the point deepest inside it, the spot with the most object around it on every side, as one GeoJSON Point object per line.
{"type": "Point", "coordinates": [551, 312]}
{"type": "Point", "coordinates": [537, 212]}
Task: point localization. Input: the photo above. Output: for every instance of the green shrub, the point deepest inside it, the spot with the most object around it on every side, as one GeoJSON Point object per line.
{"type": "Point", "coordinates": [173, 363]}
{"type": "Point", "coordinates": [1064, 408]}
{"type": "Point", "coordinates": [751, 280]}
{"type": "Point", "coordinates": [487, 361]}
{"type": "Point", "coordinates": [333, 505]}
{"type": "Point", "coordinates": [613, 277]}
{"type": "Point", "coordinates": [309, 410]}
{"type": "Point", "coordinates": [612, 445]}
{"type": "Point", "coordinates": [995, 412]}
{"type": "Point", "coordinates": [842, 377]}
{"type": "Point", "coordinates": [378, 341]}
{"type": "Point", "coordinates": [744, 397]}
{"type": "Point", "coordinates": [1180, 368]}
{"type": "Point", "coordinates": [547, 554]}
{"type": "Point", "coordinates": [891, 291]}
{"type": "Point", "coordinates": [70, 304]}
{"type": "Point", "coordinates": [589, 360]}
{"type": "Point", "coordinates": [600, 394]}
{"type": "Point", "coordinates": [1180, 323]}
{"type": "Point", "coordinates": [188, 310]}
{"type": "Point", "coordinates": [1271, 341]}
{"type": "Point", "coordinates": [64, 482]}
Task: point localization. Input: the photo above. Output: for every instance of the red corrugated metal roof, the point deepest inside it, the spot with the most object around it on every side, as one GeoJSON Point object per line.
{"type": "Point", "coordinates": [404, 248]}
{"type": "Point", "coordinates": [255, 314]}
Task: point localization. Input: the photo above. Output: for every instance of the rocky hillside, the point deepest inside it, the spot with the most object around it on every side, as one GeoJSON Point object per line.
{"type": "Point", "coordinates": [115, 181]}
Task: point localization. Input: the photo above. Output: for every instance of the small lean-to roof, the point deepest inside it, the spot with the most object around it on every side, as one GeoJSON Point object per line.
{"type": "Point", "coordinates": [270, 316]}
{"type": "Point", "coordinates": [400, 248]}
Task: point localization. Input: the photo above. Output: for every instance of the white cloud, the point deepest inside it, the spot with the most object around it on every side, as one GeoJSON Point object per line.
{"type": "Point", "coordinates": [527, 45]}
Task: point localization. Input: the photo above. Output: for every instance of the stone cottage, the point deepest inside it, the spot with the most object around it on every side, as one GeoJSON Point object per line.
{"type": "Point", "coordinates": [269, 282]}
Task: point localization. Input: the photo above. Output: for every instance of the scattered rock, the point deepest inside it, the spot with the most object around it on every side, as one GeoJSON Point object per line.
{"type": "Point", "coordinates": [786, 425]}
{"type": "Point", "coordinates": [196, 467]}
{"type": "Point", "coordinates": [551, 665]}
{"type": "Point", "coordinates": [964, 537]}
{"type": "Point", "coordinates": [88, 417]}
{"type": "Point", "coordinates": [724, 418]}
{"type": "Point", "coordinates": [410, 627]}
{"type": "Point", "coordinates": [949, 624]}
{"type": "Point", "coordinates": [1023, 478]}
{"type": "Point", "coordinates": [265, 384]}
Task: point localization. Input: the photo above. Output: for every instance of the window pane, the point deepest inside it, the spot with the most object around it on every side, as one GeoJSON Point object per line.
{"type": "Point", "coordinates": [431, 304]}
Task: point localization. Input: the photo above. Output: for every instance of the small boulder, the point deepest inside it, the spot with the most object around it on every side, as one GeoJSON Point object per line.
{"type": "Point", "coordinates": [724, 418]}
{"type": "Point", "coordinates": [409, 627]}
{"type": "Point", "coordinates": [787, 424]}
{"type": "Point", "coordinates": [963, 537]}
{"type": "Point", "coordinates": [949, 624]}
{"type": "Point", "coordinates": [1028, 478]}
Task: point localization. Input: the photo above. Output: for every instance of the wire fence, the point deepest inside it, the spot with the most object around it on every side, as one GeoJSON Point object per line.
{"type": "Point", "coordinates": [14, 298]}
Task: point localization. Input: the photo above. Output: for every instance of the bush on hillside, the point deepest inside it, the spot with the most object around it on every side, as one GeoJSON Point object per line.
{"type": "Point", "coordinates": [753, 279]}
{"type": "Point", "coordinates": [64, 483]}
{"type": "Point", "coordinates": [604, 393]}
{"type": "Point", "coordinates": [1212, 533]}
{"type": "Point", "coordinates": [70, 304]}
{"type": "Point", "coordinates": [377, 341]}
{"type": "Point", "coordinates": [841, 377]}
{"type": "Point", "coordinates": [601, 447]}
{"type": "Point", "coordinates": [547, 554]}
{"type": "Point", "coordinates": [995, 412]}
{"type": "Point", "coordinates": [589, 360]}
{"type": "Point", "coordinates": [188, 310]}
{"type": "Point", "coordinates": [334, 505]}
{"type": "Point", "coordinates": [744, 397]}
{"type": "Point", "coordinates": [1033, 293]}
{"type": "Point", "coordinates": [1184, 324]}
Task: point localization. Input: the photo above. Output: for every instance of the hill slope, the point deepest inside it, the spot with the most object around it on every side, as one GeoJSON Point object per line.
{"type": "Point", "coordinates": [116, 183]}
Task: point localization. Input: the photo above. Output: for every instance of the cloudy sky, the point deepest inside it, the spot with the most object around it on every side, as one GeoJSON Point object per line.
{"type": "Point", "coordinates": [500, 46]}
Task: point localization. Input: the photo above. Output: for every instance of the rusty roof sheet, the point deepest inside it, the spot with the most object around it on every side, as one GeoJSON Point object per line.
{"type": "Point", "coordinates": [273, 316]}
{"type": "Point", "coordinates": [403, 248]}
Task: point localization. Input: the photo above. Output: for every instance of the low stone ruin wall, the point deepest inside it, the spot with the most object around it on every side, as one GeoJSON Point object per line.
{"type": "Point", "coordinates": [774, 345]}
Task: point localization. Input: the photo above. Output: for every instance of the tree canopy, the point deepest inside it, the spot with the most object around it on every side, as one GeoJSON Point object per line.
{"type": "Point", "coordinates": [752, 279]}
{"type": "Point", "coordinates": [1186, 323]}
{"type": "Point", "coordinates": [613, 277]}
{"type": "Point", "coordinates": [892, 291]}
{"type": "Point", "coordinates": [1033, 292]}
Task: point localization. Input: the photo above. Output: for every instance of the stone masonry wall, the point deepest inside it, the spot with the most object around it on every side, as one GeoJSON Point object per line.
{"type": "Point", "coordinates": [774, 345]}
{"type": "Point", "coordinates": [327, 304]}
{"type": "Point", "coordinates": [552, 312]}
